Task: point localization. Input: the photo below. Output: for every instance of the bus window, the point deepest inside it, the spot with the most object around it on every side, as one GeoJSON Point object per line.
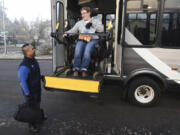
{"type": "Point", "coordinates": [166, 20]}
{"type": "Point", "coordinates": [141, 22]}
{"type": "Point", "coordinates": [110, 21]}
{"type": "Point", "coordinates": [132, 16]}
{"type": "Point", "coordinates": [131, 19]}
{"type": "Point", "coordinates": [57, 12]}
{"type": "Point", "coordinates": [59, 17]}
{"type": "Point", "coordinates": [135, 24]}
{"type": "Point", "coordinates": [153, 25]}
{"type": "Point", "coordinates": [175, 22]}
{"type": "Point", "coordinates": [142, 16]}
{"type": "Point", "coordinates": [171, 24]}
{"type": "Point", "coordinates": [110, 24]}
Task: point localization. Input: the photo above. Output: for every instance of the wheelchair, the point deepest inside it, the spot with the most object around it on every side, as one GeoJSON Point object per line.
{"type": "Point", "coordinates": [97, 66]}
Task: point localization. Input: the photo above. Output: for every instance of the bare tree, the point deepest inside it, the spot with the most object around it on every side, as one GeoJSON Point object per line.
{"type": "Point", "coordinates": [41, 28]}
{"type": "Point", "coordinates": [25, 31]}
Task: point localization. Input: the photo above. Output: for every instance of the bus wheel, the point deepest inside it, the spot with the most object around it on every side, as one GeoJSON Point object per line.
{"type": "Point", "coordinates": [144, 92]}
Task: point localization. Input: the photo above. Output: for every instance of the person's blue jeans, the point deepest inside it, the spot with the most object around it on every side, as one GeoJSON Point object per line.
{"type": "Point", "coordinates": [83, 52]}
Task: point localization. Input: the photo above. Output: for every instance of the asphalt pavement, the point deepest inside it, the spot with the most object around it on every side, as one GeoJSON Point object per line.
{"type": "Point", "coordinates": [78, 114]}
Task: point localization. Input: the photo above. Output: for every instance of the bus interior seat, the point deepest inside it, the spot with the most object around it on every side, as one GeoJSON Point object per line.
{"type": "Point", "coordinates": [165, 37]}
{"type": "Point", "coordinates": [176, 37]}
{"type": "Point", "coordinates": [170, 38]}
{"type": "Point", "coordinates": [141, 35]}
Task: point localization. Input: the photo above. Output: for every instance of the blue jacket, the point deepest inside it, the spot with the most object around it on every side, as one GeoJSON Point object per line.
{"type": "Point", "coordinates": [29, 76]}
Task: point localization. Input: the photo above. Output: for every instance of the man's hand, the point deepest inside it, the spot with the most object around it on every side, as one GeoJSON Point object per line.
{"type": "Point", "coordinates": [28, 95]}
{"type": "Point", "coordinates": [64, 35]}
{"type": "Point", "coordinates": [29, 98]}
{"type": "Point", "coordinates": [88, 25]}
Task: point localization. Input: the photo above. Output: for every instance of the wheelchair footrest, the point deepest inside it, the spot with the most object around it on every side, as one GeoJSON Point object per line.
{"type": "Point", "coordinates": [71, 84]}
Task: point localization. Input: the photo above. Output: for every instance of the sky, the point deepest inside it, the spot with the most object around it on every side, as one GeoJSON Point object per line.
{"type": "Point", "coordinates": [29, 9]}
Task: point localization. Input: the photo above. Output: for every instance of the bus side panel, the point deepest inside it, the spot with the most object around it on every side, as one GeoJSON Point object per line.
{"type": "Point", "coordinates": [159, 60]}
{"type": "Point", "coordinates": [132, 61]}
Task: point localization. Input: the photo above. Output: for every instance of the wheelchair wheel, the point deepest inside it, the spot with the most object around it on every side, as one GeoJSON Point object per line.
{"type": "Point", "coordinates": [102, 66]}
{"type": "Point", "coordinates": [97, 76]}
{"type": "Point", "coordinates": [67, 72]}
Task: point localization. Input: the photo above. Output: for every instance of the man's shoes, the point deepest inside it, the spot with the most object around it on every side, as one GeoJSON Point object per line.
{"type": "Point", "coordinates": [84, 74]}
{"type": "Point", "coordinates": [44, 119]}
{"type": "Point", "coordinates": [44, 116]}
{"type": "Point", "coordinates": [75, 74]}
{"type": "Point", "coordinates": [34, 128]}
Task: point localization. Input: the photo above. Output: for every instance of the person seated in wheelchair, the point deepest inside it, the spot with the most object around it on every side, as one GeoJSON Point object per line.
{"type": "Point", "coordinates": [86, 43]}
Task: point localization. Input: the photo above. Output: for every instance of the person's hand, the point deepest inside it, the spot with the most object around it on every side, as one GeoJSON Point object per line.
{"type": "Point", "coordinates": [28, 95]}
{"type": "Point", "coordinates": [88, 25]}
{"type": "Point", "coordinates": [64, 35]}
{"type": "Point", "coordinates": [29, 98]}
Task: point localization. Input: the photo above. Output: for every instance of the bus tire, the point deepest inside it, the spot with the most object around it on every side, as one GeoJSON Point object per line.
{"type": "Point", "coordinates": [144, 92]}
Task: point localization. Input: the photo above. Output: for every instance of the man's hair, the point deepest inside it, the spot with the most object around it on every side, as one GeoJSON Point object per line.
{"type": "Point", "coordinates": [26, 44]}
{"type": "Point", "coordinates": [88, 9]}
{"type": "Point", "coordinates": [23, 48]}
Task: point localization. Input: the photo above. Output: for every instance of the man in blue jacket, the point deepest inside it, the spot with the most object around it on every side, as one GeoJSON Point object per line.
{"type": "Point", "coordinates": [30, 79]}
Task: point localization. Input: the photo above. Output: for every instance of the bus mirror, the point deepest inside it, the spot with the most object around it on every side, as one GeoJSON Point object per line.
{"type": "Point", "coordinates": [94, 12]}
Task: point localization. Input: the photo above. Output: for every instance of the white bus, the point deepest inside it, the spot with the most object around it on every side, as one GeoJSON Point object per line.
{"type": "Point", "coordinates": [141, 47]}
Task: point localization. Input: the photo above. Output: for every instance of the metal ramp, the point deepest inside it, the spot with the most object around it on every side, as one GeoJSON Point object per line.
{"type": "Point", "coordinates": [72, 84]}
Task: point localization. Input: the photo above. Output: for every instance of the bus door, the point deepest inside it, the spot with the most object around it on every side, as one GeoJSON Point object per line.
{"type": "Point", "coordinates": [119, 35]}
{"type": "Point", "coordinates": [141, 27]}
{"type": "Point", "coordinates": [57, 16]}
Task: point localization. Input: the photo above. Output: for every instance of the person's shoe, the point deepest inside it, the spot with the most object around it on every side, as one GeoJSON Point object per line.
{"type": "Point", "coordinates": [75, 74]}
{"type": "Point", "coordinates": [84, 74]}
{"type": "Point", "coordinates": [33, 128]}
{"type": "Point", "coordinates": [44, 116]}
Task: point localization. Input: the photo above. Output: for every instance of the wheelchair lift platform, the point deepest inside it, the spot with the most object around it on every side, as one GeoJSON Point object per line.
{"type": "Point", "coordinates": [72, 84]}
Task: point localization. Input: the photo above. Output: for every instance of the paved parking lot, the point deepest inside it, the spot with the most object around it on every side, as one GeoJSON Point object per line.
{"type": "Point", "coordinates": [78, 114]}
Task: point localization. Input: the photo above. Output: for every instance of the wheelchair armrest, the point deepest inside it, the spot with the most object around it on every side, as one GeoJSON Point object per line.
{"type": "Point", "coordinates": [71, 39]}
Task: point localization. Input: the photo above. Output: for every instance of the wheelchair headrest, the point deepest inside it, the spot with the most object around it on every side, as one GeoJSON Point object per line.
{"type": "Point", "coordinates": [94, 12]}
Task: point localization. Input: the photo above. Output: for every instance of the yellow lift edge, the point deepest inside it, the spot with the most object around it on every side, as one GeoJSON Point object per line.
{"type": "Point", "coordinates": [78, 85]}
